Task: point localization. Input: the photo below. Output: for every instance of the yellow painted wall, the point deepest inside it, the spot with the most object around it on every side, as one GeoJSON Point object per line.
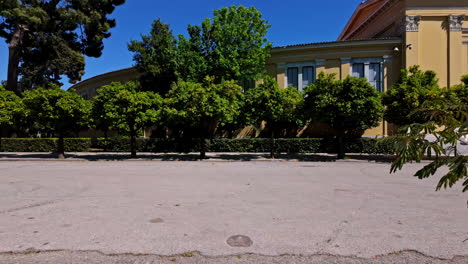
{"type": "Point", "coordinates": [433, 46]}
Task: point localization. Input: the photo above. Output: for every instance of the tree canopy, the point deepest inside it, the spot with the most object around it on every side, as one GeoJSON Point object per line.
{"type": "Point", "coordinates": [127, 109]}
{"type": "Point", "coordinates": [437, 138]}
{"type": "Point", "coordinates": [230, 46]}
{"type": "Point", "coordinates": [412, 89]}
{"type": "Point", "coordinates": [203, 105]}
{"type": "Point", "coordinates": [11, 106]}
{"type": "Point", "coordinates": [57, 112]}
{"type": "Point", "coordinates": [278, 107]}
{"type": "Point", "coordinates": [47, 39]}
{"type": "Point", "coordinates": [155, 57]}
{"type": "Point", "coordinates": [348, 105]}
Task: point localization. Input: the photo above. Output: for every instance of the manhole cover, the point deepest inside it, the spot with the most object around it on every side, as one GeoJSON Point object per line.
{"type": "Point", "coordinates": [239, 241]}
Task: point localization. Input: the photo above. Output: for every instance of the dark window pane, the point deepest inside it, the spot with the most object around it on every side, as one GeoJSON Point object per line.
{"type": "Point", "coordinates": [293, 77]}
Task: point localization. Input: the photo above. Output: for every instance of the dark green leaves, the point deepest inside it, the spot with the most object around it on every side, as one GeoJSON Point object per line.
{"type": "Point", "coordinates": [349, 105]}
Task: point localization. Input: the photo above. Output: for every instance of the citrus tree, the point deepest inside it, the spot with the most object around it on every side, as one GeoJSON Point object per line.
{"type": "Point", "coordinates": [124, 108]}
{"type": "Point", "coordinates": [57, 112]}
{"type": "Point", "coordinates": [277, 107]}
{"type": "Point", "coordinates": [203, 105]}
{"type": "Point", "coordinates": [412, 89]}
{"type": "Point", "coordinates": [11, 108]}
{"type": "Point", "coordinates": [347, 106]}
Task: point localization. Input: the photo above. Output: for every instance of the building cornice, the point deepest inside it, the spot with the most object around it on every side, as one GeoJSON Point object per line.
{"type": "Point", "coordinates": [104, 76]}
{"type": "Point", "coordinates": [349, 43]}
{"type": "Point", "coordinates": [385, 5]}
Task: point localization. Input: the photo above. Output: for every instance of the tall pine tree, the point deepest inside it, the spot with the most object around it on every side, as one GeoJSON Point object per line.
{"type": "Point", "coordinates": [49, 38]}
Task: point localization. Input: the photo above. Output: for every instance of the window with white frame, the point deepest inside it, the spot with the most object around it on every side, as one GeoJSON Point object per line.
{"type": "Point", "coordinates": [371, 69]}
{"type": "Point", "coordinates": [300, 75]}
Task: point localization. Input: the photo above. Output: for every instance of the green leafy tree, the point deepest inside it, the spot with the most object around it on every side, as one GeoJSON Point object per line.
{"type": "Point", "coordinates": [47, 39]}
{"type": "Point", "coordinates": [155, 57]}
{"type": "Point", "coordinates": [57, 112]}
{"type": "Point", "coordinates": [235, 43]}
{"type": "Point", "coordinates": [203, 105]}
{"type": "Point", "coordinates": [127, 109]}
{"type": "Point", "coordinates": [11, 109]}
{"type": "Point", "coordinates": [437, 138]}
{"type": "Point", "coordinates": [277, 107]}
{"type": "Point", "coordinates": [347, 106]}
{"type": "Point", "coordinates": [464, 79]}
{"type": "Point", "coordinates": [412, 89]}
{"type": "Point", "coordinates": [230, 46]}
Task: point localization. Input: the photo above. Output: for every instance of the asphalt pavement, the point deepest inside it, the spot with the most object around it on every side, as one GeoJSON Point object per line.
{"type": "Point", "coordinates": [227, 212]}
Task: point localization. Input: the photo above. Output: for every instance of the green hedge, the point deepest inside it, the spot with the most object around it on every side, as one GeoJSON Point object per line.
{"type": "Point", "coordinates": [44, 144]}
{"type": "Point", "coordinates": [119, 144]}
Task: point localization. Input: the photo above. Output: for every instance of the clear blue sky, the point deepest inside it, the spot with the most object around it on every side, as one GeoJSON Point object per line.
{"type": "Point", "coordinates": [293, 22]}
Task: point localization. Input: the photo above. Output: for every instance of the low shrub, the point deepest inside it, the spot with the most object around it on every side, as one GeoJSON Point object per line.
{"type": "Point", "coordinates": [122, 144]}
{"type": "Point", "coordinates": [44, 144]}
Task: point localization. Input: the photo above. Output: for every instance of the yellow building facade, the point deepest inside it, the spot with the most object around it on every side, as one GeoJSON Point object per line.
{"type": "Point", "coordinates": [381, 37]}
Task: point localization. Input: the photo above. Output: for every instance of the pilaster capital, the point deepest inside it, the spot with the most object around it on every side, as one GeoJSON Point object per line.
{"type": "Point", "coordinates": [411, 23]}
{"type": "Point", "coordinates": [456, 22]}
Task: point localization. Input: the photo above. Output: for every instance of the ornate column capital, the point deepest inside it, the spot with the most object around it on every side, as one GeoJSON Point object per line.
{"type": "Point", "coordinates": [411, 23]}
{"type": "Point", "coordinates": [456, 22]}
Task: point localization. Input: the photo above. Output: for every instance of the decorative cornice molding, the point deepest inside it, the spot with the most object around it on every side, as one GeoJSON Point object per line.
{"type": "Point", "coordinates": [346, 60]}
{"type": "Point", "coordinates": [411, 23]}
{"type": "Point", "coordinates": [387, 58]}
{"type": "Point", "coordinates": [320, 62]}
{"type": "Point", "coordinates": [281, 65]}
{"type": "Point", "coordinates": [456, 22]}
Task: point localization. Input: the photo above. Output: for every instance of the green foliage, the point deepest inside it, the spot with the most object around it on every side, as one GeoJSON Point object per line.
{"type": "Point", "coordinates": [124, 108]}
{"type": "Point", "coordinates": [412, 89]}
{"type": "Point", "coordinates": [44, 144]}
{"type": "Point", "coordinates": [11, 108]}
{"type": "Point", "coordinates": [49, 38]}
{"type": "Point", "coordinates": [348, 106]}
{"type": "Point", "coordinates": [278, 107]}
{"type": "Point", "coordinates": [158, 145]}
{"type": "Point", "coordinates": [464, 79]}
{"type": "Point", "coordinates": [203, 106]}
{"type": "Point", "coordinates": [200, 104]}
{"type": "Point", "coordinates": [447, 124]}
{"type": "Point", "coordinates": [56, 111]}
{"type": "Point", "coordinates": [267, 102]}
{"type": "Point", "coordinates": [230, 46]}
{"type": "Point", "coordinates": [235, 43]}
{"type": "Point", "coordinates": [155, 57]}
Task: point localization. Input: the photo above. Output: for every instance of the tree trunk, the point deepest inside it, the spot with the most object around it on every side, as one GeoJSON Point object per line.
{"type": "Point", "coordinates": [133, 144]}
{"type": "Point", "coordinates": [272, 147]}
{"type": "Point", "coordinates": [60, 147]}
{"type": "Point", "coordinates": [14, 59]}
{"type": "Point", "coordinates": [341, 146]}
{"type": "Point", "coordinates": [202, 145]}
{"type": "Point", "coordinates": [106, 138]}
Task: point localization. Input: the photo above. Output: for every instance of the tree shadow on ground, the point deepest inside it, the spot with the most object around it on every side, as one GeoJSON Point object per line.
{"type": "Point", "coordinates": [221, 157]}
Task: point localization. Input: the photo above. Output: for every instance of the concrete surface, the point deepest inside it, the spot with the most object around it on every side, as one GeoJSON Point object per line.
{"type": "Point", "coordinates": [186, 212]}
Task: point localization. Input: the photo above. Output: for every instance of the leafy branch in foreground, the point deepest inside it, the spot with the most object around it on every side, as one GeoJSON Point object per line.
{"type": "Point", "coordinates": [448, 123]}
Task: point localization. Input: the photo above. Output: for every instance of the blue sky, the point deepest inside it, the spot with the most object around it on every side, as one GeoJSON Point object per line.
{"type": "Point", "coordinates": [293, 22]}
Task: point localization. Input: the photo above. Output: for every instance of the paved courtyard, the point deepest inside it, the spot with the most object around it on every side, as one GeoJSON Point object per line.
{"type": "Point", "coordinates": [226, 212]}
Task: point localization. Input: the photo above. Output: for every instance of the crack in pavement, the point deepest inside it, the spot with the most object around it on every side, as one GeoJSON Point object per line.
{"type": "Point", "coordinates": [94, 256]}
